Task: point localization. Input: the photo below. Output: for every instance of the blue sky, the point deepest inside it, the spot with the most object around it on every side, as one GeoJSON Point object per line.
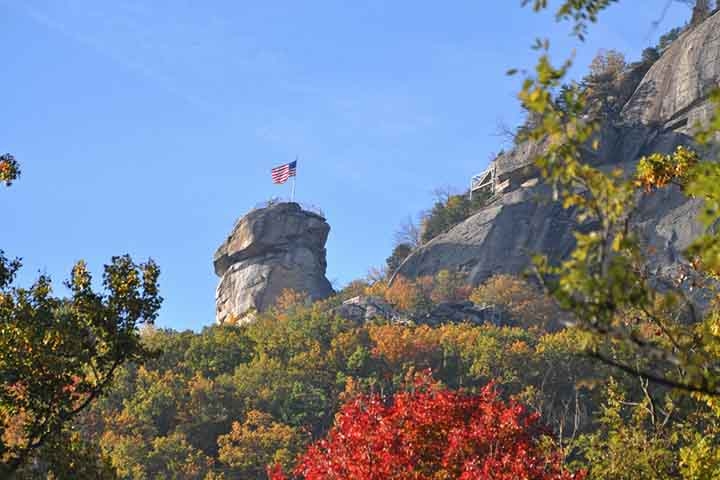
{"type": "Point", "coordinates": [147, 127]}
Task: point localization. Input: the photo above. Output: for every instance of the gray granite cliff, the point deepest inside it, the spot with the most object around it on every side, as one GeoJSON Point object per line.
{"type": "Point", "coordinates": [270, 249]}
{"type": "Point", "coordinates": [663, 104]}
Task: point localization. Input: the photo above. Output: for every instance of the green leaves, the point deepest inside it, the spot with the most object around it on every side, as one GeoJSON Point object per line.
{"type": "Point", "coordinates": [605, 282]}
{"type": "Point", "coordinates": [710, 131]}
{"type": "Point", "coordinates": [9, 169]}
{"type": "Point", "coordinates": [448, 211]}
{"type": "Point", "coordinates": [657, 170]}
{"type": "Point", "coordinates": [630, 442]}
{"type": "Point", "coordinates": [258, 442]}
{"type": "Point", "coordinates": [579, 11]}
{"type": "Point", "coordinates": [700, 460]}
{"type": "Point", "coordinates": [59, 354]}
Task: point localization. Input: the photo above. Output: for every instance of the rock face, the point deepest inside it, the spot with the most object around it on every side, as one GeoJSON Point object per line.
{"type": "Point", "coordinates": [673, 94]}
{"type": "Point", "coordinates": [365, 309]}
{"type": "Point", "coordinates": [520, 220]}
{"type": "Point", "coordinates": [499, 238]}
{"type": "Point", "coordinates": [461, 312]}
{"type": "Point", "coordinates": [271, 249]}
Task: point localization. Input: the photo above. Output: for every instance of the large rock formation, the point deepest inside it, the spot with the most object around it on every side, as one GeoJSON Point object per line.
{"type": "Point", "coordinates": [520, 220]}
{"type": "Point", "coordinates": [271, 249]}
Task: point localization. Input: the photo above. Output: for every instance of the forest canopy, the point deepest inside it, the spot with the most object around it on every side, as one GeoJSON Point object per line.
{"type": "Point", "coordinates": [604, 373]}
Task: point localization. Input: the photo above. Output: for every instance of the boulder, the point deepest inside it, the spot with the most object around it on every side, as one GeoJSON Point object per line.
{"type": "Point", "coordinates": [269, 250]}
{"type": "Point", "coordinates": [467, 311]}
{"type": "Point", "coordinates": [498, 239]}
{"type": "Point", "coordinates": [362, 309]}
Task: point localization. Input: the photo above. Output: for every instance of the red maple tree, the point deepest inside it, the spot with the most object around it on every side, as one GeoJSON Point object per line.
{"type": "Point", "coordinates": [430, 433]}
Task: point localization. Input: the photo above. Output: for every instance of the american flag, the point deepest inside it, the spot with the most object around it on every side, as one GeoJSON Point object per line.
{"type": "Point", "coordinates": [283, 172]}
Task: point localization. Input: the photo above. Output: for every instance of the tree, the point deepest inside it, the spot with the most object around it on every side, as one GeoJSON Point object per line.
{"type": "Point", "coordinates": [603, 84]}
{"type": "Point", "coordinates": [449, 286]}
{"type": "Point", "coordinates": [632, 440]}
{"type": "Point", "coordinates": [429, 432]}
{"type": "Point", "coordinates": [449, 210]}
{"type": "Point", "coordinates": [408, 233]}
{"type": "Point", "coordinates": [57, 355]}
{"type": "Point", "coordinates": [581, 12]}
{"type": "Point", "coordinates": [701, 10]}
{"type": "Point", "coordinates": [9, 169]}
{"type": "Point", "coordinates": [527, 303]}
{"type": "Point", "coordinates": [606, 282]}
{"type": "Point", "coordinates": [258, 442]}
{"type": "Point", "coordinates": [302, 366]}
{"type": "Point", "coordinates": [405, 294]}
{"type": "Point", "coordinates": [650, 55]}
{"type": "Point", "coordinates": [218, 350]}
{"type": "Point", "coordinates": [68, 455]}
{"type": "Point", "coordinates": [608, 63]}
{"type": "Point", "coordinates": [399, 254]}
{"type": "Point", "coordinates": [165, 457]}
{"type": "Point", "coordinates": [668, 38]}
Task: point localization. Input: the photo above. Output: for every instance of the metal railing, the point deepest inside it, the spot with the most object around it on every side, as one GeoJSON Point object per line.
{"type": "Point", "coordinates": [483, 181]}
{"type": "Point", "coordinates": [304, 205]}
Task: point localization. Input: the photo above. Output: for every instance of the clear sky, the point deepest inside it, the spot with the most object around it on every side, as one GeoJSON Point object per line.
{"type": "Point", "coordinates": [149, 126]}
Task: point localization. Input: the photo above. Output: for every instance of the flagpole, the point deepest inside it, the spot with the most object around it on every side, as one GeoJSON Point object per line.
{"type": "Point", "coordinates": [292, 193]}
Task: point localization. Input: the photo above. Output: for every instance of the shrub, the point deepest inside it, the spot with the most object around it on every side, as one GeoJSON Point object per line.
{"type": "Point", "coordinates": [448, 211]}
{"type": "Point", "coordinates": [525, 302]}
{"type": "Point", "coordinates": [429, 432]}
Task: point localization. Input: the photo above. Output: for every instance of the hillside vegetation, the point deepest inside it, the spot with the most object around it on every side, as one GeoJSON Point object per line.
{"type": "Point", "coordinates": [613, 373]}
{"type": "Point", "coordinates": [232, 400]}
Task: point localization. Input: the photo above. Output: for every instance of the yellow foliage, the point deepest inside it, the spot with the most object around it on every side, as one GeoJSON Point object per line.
{"type": "Point", "coordinates": [231, 319]}
{"type": "Point", "coordinates": [658, 170]}
{"type": "Point", "coordinates": [445, 286]}
{"type": "Point", "coordinates": [290, 298]}
{"type": "Point", "coordinates": [239, 448]}
{"type": "Point", "coordinates": [398, 345]}
{"type": "Point", "coordinates": [403, 294]}
{"type": "Point", "coordinates": [527, 303]}
{"type": "Point", "coordinates": [376, 289]}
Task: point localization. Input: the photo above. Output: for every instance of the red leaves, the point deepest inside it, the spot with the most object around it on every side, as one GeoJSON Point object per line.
{"type": "Point", "coordinates": [428, 434]}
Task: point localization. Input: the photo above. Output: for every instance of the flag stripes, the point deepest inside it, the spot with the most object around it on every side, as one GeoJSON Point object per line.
{"type": "Point", "coordinates": [281, 173]}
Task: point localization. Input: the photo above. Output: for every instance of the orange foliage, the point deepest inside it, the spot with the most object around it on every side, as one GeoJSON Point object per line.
{"type": "Point", "coordinates": [355, 288]}
{"type": "Point", "coordinates": [445, 286]}
{"type": "Point", "coordinates": [449, 286]}
{"type": "Point", "coordinates": [290, 298]}
{"type": "Point", "coordinates": [377, 289]}
{"type": "Point", "coordinates": [525, 302]}
{"type": "Point", "coordinates": [403, 294]}
{"type": "Point", "coordinates": [417, 345]}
